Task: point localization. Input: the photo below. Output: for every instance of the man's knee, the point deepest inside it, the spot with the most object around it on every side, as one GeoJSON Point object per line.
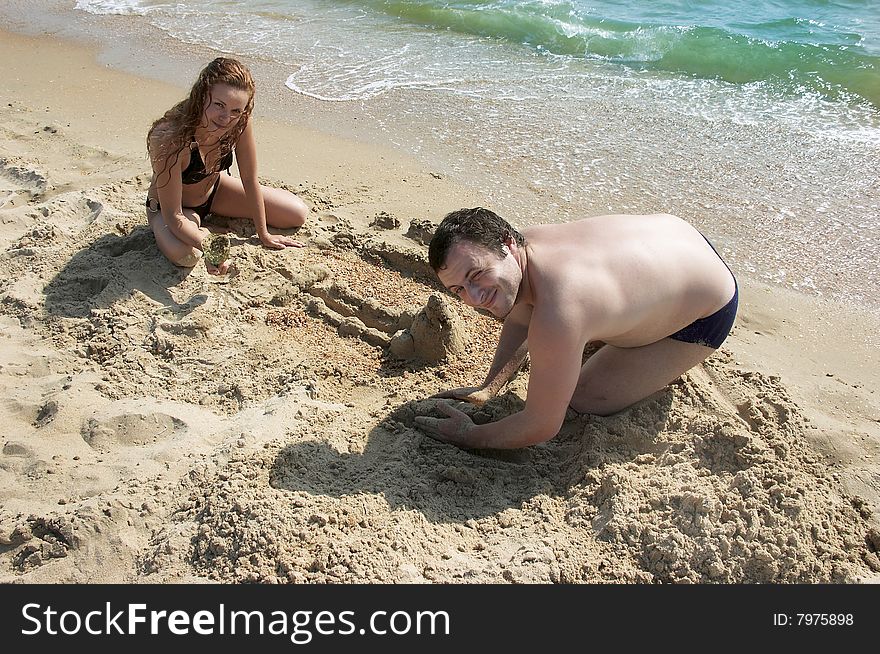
{"type": "Point", "coordinates": [594, 407]}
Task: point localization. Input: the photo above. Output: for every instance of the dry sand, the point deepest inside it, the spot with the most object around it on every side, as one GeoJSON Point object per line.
{"type": "Point", "coordinates": [162, 425]}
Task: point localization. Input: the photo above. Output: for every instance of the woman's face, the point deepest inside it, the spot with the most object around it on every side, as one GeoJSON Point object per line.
{"type": "Point", "coordinates": [224, 108]}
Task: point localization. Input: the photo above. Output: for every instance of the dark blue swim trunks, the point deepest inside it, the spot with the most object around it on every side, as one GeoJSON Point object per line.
{"type": "Point", "coordinates": [712, 330]}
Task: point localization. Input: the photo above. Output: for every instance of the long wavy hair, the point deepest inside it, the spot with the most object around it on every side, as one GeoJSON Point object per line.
{"type": "Point", "coordinates": [179, 124]}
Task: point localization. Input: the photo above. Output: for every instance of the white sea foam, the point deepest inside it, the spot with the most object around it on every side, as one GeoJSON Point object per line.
{"type": "Point", "coordinates": [766, 170]}
{"type": "Point", "coordinates": [114, 7]}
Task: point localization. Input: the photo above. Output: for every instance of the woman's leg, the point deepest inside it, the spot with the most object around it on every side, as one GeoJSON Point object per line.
{"type": "Point", "coordinates": [284, 210]}
{"type": "Point", "coordinates": [177, 252]}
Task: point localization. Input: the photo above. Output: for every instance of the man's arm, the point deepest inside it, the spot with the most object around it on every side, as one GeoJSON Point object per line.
{"type": "Point", "coordinates": [510, 353]}
{"type": "Point", "coordinates": [556, 344]}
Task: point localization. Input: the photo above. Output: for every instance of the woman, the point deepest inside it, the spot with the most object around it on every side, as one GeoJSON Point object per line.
{"type": "Point", "coordinates": [189, 147]}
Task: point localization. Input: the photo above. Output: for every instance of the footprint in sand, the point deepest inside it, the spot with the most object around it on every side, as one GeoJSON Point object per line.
{"type": "Point", "coordinates": [17, 181]}
{"type": "Point", "coordinates": [130, 429]}
{"type": "Point", "coordinates": [139, 239]}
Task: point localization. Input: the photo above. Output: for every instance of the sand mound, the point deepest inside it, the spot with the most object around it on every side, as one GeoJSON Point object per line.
{"type": "Point", "coordinates": [665, 493]}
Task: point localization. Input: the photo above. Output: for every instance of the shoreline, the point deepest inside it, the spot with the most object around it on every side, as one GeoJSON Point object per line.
{"type": "Point", "coordinates": [782, 204]}
{"type": "Point", "coordinates": [826, 356]}
{"type": "Point", "coordinates": [334, 160]}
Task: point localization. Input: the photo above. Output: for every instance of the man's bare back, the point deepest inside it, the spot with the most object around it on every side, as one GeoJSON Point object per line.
{"type": "Point", "coordinates": [650, 288]}
{"type": "Point", "coordinates": [637, 278]}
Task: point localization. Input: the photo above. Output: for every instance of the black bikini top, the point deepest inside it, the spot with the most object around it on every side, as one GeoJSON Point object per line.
{"type": "Point", "coordinates": [195, 172]}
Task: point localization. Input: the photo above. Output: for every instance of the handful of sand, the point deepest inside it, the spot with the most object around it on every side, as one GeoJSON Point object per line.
{"type": "Point", "coordinates": [216, 248]}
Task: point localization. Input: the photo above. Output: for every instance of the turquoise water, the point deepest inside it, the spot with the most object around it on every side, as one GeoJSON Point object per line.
{"type": "Point", "coordinates": [795, 47]}
{"type": "Point", "coordinates": [812, 64]}
{"type": "Point", "coordinates": [758, 121]}
{"type": "Point", "coordinates": [831, 48]}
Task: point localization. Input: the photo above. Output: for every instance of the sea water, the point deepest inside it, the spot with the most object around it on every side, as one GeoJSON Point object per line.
{"type": "Point", "coordinates": [758, 120]}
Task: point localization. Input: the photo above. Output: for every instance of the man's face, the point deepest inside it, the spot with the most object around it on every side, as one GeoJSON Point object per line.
{"type": "Point", "coordinates": [480, 278]}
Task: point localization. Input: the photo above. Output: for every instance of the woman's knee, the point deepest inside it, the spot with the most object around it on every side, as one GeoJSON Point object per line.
{"type": "Point", "coordinates": [297, 211]}
{"type": "Point", "coordinates": [177, 252]}
{"type": "Point", "coordinates": [287, 210]}
{"type": "Point", "coordinates": [302, 211]}
{"type": "Point", "coordinates": [186, 259]}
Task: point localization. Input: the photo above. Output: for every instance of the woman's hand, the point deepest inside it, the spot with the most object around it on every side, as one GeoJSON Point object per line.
{"type": "Point", "coordinates": [279, 242]}
{"type": "Point", "coordinates": [222, 269]}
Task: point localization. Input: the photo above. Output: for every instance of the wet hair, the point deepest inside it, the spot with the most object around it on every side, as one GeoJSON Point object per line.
{"type": "Point", "coordinates": [478, 225]}
{"type": "Point", "coordinates": [178, 126]}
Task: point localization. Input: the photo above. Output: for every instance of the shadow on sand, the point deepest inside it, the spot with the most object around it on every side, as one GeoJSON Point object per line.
{"type": "Point", "coordinates": [110, 269]}
{"type": "Point", "coordinates": [450, 485]}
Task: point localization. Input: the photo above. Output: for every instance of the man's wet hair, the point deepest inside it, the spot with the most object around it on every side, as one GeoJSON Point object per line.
{"type": "Point", "coordinates": [479, 226]}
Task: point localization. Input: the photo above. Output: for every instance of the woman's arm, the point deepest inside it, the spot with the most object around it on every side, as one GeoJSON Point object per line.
{"type": "Point", "coordinates": [246, 153]}
{"type": "Point", "coordinates": [169, 189]}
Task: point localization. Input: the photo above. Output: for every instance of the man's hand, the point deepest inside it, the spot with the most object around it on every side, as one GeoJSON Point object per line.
{"type": "Point", "coordinates": [472, 394]}
{"type": "Point", "coordinates": [455, 429]}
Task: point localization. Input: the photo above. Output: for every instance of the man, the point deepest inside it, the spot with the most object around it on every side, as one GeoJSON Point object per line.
{"type": "Point", "coordinates": [651, 289]}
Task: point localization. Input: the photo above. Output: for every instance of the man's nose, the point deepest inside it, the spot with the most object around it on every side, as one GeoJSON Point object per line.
{"type": "Point", "coordinates": [473, 294]}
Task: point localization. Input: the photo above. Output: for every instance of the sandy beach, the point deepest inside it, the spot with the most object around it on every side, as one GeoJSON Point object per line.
{"type": "Point", "coordinates": [162, 425]}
